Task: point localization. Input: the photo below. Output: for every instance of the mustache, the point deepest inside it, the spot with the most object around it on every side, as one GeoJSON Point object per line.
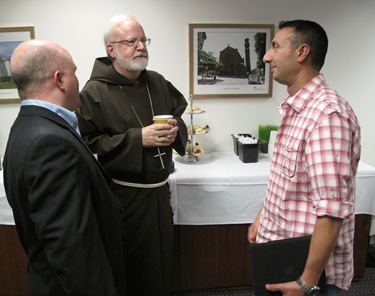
{"type": "Point", "coordinates": [141, 54]}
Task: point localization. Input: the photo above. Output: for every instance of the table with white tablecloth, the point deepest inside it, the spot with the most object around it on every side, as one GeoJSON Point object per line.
{"type": "Point", "coordinates": [6, 215]}
{"type": "Point", "coordinates": [221, 189]}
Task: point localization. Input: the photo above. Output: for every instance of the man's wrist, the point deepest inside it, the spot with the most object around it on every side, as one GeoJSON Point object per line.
{"type": "Point", "coordinates": [307, 289]}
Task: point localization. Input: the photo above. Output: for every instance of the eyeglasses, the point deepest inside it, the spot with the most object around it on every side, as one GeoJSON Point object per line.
{"type": "Point", "coordinates": [133, 43]}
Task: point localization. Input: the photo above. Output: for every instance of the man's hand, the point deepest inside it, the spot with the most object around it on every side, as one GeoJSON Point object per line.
{"type": "Point", "coordinates": [160, 135]}
{"type": "Point", "coordinates": [287, 289]}
{"type": "Point", "coordinates": [253, 230]}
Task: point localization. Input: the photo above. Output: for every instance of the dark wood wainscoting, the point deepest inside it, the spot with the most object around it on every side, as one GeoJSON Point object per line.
{"type": "Point", "coordinates": [216, 256]}
{"type": "Point", "coordinates": [13, 263]}
{"type": "Point", "coordinates": [205, 257]}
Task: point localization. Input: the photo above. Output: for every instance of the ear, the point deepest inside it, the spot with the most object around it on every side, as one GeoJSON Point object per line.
{"type": "Point", "coordinates": [303, 52]}
{"type": "Point", "coordinates": [110, 50]}
{"type": "Point", "coordinates": [58, 80]}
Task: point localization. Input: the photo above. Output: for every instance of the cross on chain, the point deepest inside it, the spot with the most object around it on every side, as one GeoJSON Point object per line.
{"type": "Point", "coordinates": [160, 157]}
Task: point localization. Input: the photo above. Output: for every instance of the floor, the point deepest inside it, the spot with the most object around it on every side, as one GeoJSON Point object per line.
{"type": "Point", "coordinates": [365, 287]}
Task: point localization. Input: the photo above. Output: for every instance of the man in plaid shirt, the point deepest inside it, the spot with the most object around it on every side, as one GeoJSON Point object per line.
{"type": "Point", "coordinates": [311, 190]}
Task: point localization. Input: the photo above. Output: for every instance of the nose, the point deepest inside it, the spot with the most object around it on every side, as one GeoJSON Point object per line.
{"type": "Point", "coordinates": [141, 45]}
{"type": "Point", "coordinates": [267, 57]}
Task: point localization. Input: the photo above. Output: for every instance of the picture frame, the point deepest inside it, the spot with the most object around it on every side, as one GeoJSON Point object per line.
{"type": "Point", "coordinates": [226, 60]}
{"type": "Point", "coordinates": [10, 38]}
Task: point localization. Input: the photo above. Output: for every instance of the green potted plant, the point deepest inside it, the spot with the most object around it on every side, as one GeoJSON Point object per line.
{"type": "Point", "coordinates": [264, 131]}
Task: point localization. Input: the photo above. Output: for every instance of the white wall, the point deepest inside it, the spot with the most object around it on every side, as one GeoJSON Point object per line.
{"type": "Point", "coordinates": [78, 26]}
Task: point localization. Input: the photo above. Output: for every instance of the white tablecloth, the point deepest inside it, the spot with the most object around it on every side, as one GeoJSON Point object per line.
{"type": "Point", "coordinates": [6, 215]}
{"type": "Point", "coordinates": [221, 189]}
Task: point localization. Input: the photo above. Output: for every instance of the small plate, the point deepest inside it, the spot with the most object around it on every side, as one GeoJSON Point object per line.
{"type": "Point", "coordinates": [194, 111]}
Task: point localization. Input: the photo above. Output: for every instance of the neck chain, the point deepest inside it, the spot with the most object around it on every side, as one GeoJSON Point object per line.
{"type": "Point", "coordinates": [140, 122]}
{"type": "Point", "coordinates": [151, 105]}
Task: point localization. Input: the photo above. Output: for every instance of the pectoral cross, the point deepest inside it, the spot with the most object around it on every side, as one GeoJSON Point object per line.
{"type": "Point", "coordinates": [160, 157]}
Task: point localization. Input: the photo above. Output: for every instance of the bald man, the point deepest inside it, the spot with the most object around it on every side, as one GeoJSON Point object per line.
{"type": "Point", "coordinates": [68, 221]}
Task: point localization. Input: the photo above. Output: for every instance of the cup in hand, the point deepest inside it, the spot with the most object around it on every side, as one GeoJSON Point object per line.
{"type": "Point", "coordinates": [162, 119]}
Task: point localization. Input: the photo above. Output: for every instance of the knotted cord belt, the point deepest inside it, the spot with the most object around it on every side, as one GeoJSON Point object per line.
{"type": "Point", "coordinates": [140, 185]}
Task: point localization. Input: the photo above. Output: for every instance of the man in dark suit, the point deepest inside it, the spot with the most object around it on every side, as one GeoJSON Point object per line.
{"type": "Point", "coordinates": [67, 219]}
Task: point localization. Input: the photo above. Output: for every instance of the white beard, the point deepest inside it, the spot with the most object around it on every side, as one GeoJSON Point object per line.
{"type": "Point", "coordinates": [138, 63]}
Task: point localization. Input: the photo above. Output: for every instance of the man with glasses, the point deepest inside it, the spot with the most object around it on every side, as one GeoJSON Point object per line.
{"type": "Point", "coordinates": [116, 121]}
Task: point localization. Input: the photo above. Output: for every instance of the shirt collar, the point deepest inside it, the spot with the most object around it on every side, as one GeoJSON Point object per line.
{"type": "Point", "coordinates": [300, 99]}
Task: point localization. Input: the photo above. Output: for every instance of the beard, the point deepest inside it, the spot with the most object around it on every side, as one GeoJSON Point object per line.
{"type": "Point", "coordinates": [138, 62]}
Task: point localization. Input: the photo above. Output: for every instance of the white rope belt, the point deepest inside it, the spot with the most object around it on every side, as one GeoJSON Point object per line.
{"type": "Point", "coordinates": [140, 185]}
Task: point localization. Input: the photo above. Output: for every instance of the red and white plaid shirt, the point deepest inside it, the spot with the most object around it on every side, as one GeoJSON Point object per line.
{"type": "Point", "coordinates": [313, 172]}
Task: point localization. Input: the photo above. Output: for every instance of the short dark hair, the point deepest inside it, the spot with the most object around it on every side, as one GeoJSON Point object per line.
{"type": "Point", "coordinates": [312, 34]}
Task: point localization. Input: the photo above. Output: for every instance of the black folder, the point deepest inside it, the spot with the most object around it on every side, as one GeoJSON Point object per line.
{"type": "Point", "coordinates": [279, 262]}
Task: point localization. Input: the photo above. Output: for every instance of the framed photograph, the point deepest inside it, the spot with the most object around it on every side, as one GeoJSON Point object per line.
{"type": "Point", "coordinates": [10, 38]}
{"type": "Point", "coordinates": [226, 60]}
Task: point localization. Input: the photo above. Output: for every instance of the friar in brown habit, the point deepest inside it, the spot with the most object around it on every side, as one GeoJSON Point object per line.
{"type": "Point", "coordinates": [116, 121]}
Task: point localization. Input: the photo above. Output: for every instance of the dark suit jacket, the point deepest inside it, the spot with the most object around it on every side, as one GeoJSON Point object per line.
{"type": "Point", "coordinates": [68, 221]}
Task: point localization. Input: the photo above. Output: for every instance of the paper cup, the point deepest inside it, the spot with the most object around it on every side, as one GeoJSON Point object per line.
{"type": "Point", "coordinates": [162, 119]}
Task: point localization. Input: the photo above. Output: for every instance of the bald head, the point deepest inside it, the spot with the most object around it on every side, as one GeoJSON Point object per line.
{"type": "Point", "coordinates": [33, 62]}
